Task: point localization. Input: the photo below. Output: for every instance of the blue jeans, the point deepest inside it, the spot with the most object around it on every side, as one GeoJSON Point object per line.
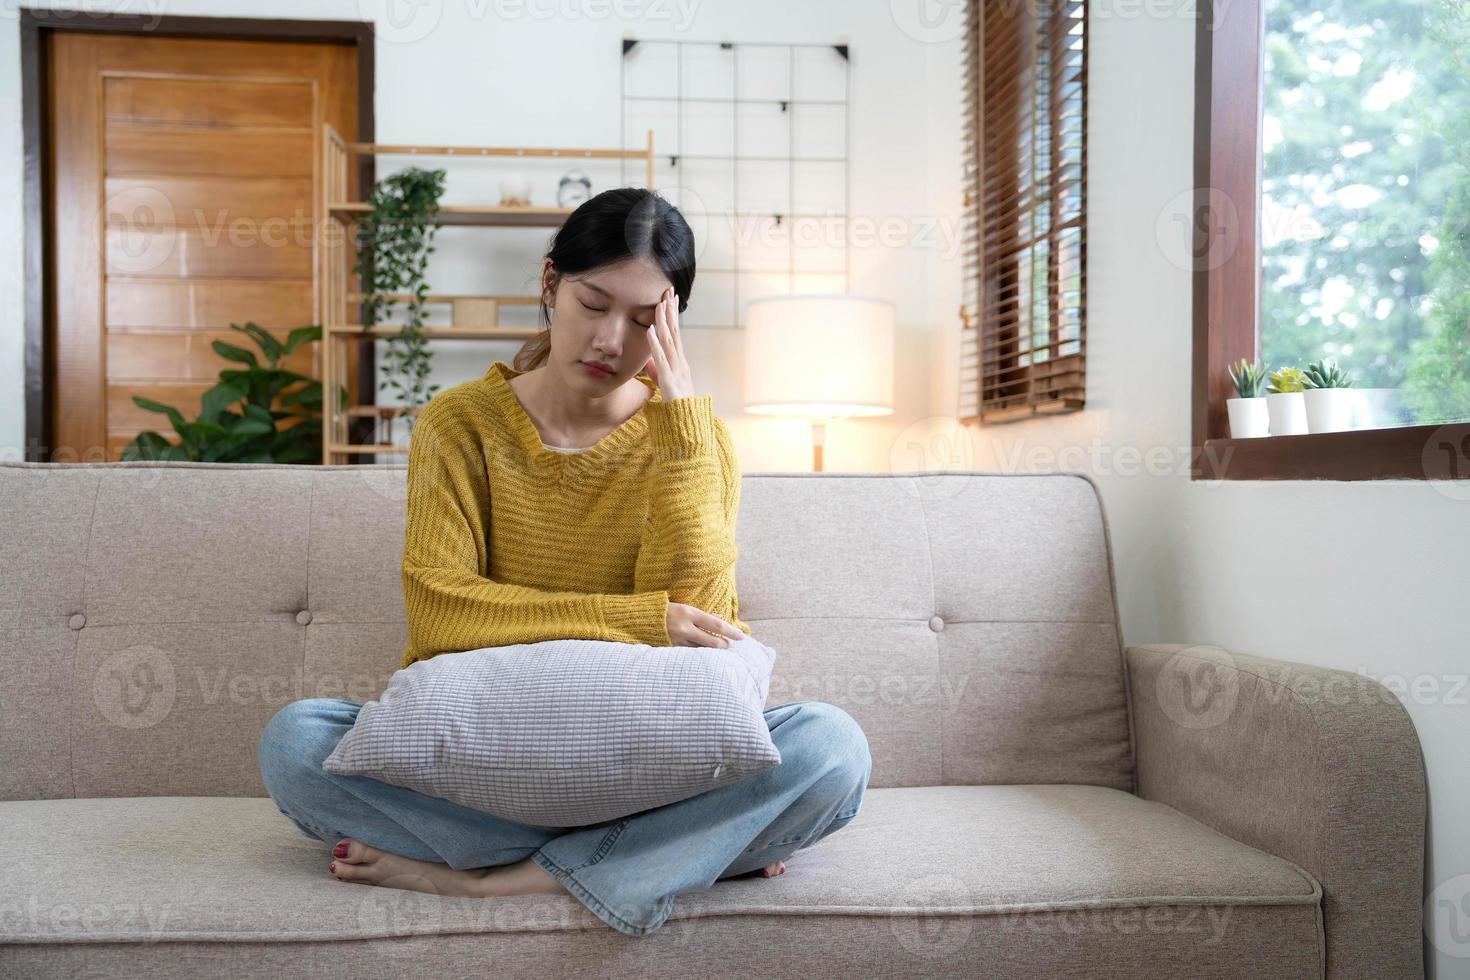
{"type": "Point", "coordinates": [626, 871]}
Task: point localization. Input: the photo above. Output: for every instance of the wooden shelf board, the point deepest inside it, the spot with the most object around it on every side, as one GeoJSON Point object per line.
{"type": "Point", "coordinates": [338, 447]}
{"type": "Point", "coordinates": [590, 153]}
{"type": "Point", "coordinates": [473, 214]}
{"type": "Point", "coordinates": [356, 332]}
{"type": "Point", "coordinates": [376, 411]}
{"type": "Point", "coordinates": [452, 297]}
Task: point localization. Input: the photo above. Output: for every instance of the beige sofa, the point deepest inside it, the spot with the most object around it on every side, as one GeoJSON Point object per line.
{"type": "Point", "coordinates": [1045, 802]}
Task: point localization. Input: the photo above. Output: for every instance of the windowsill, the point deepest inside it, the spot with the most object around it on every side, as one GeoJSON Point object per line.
{"type": "Point", "coordinates": [1409, 452]}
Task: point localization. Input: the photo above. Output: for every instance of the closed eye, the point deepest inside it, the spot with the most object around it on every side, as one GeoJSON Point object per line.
{"type": "Point", "coordinates": [596, 309]}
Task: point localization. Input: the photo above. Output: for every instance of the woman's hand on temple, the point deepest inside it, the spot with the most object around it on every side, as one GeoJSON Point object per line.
{"type": "Point", "coordinates": [688, 625]}
{"type": "Point", "coordinates": [667, 365]}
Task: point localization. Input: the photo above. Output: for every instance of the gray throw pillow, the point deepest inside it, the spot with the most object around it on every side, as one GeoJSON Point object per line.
{"type": "Point", "coordinates": [565, 733]}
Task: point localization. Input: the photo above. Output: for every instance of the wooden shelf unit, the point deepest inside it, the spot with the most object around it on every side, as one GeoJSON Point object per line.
{"type": "Point", "coordinates": [340, 300]}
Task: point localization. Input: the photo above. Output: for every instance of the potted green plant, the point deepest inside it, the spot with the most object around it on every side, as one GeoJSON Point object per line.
{"type": "Point", "coordinates": [1285, 406]}
{"type": "Point", "coordinates": [1247, 411]}
{"type": "Point", "coordinates": [1329, 397]}
{"type": "Point", "coordinates": [393, 258]}
{"type": "Point", "coordinates": [237, 417]}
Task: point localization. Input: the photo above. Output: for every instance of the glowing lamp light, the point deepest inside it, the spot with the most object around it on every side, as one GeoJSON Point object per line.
{"type": "Point", "coordinates": [820, 357]}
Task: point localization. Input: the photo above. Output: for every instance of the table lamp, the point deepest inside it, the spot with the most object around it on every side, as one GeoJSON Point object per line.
{"type": "Point", "coordinates": [820, 357]}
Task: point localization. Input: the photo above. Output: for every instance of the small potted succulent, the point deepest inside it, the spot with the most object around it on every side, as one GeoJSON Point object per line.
{"type": "Point", "coordinates": [1285, 404]}
{"type": "Point", "coordinates": [1329, 397]}
{"type": "Point", "coordinates": [1248, 418]}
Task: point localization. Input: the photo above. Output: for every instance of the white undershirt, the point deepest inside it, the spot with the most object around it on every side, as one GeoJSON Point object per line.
{"type": "Point", "coordinates": [565, 449]}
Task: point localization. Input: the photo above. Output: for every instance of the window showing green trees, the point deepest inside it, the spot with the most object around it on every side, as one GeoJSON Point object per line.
{"type": "Point", "coordinates": [1365, 209]}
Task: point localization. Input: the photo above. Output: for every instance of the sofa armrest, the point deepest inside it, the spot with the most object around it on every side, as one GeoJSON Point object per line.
{"type": "Point", "coordinates": [1321, 767]}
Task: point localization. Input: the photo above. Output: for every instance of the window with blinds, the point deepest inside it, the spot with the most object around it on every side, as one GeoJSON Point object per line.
{"type": "Point", "coordinates": [1025, 258]}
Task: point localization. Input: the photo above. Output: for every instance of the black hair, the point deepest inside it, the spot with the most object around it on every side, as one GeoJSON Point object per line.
{"type": "Point", "coordinates": [618, 224]}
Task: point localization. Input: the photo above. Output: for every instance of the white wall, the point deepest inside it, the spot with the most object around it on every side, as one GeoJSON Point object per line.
{"type": "Point", "coordinates": [1368, 577]}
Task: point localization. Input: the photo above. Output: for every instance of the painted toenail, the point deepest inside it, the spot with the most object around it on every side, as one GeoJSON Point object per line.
{"type": "Point", "coordinates": [340, 850]}
{"type": "Point", "coordinates": [333, 868]}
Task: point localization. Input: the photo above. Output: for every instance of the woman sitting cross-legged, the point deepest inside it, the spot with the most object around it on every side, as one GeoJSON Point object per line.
{"type": "Point", "coordinates": [615, 490]}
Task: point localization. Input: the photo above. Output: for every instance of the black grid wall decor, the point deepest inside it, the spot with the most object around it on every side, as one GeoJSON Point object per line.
{"type": "Point", "coordinates": [751, 144]}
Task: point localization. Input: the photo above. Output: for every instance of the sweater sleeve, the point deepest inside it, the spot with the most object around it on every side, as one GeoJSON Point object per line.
{"type": "Point", "coordinates": [449, 601]}
{"type": "Point", "coordinates": [688, 547]}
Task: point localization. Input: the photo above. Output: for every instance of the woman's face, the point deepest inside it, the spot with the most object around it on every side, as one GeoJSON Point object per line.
{"type": "Point", "coordinates": [603, 317]}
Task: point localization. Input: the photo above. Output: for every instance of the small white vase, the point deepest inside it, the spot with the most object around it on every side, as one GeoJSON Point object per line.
{"type": "Point", "coordinates": [1248, 417]}
{"type": "Point", "coordinates": [1329, 409]}
{"type": "Point", "coordinates": [515, 191]}
{"type": "Point", "coordinates": [1288, 412]}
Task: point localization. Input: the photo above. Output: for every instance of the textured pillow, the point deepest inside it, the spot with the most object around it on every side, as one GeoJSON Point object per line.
{"type": "Point", "coordinates": [565, 733]}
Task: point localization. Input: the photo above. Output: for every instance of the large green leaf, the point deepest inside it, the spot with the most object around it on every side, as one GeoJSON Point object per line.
{"type": "Point", "coordinates": [308, 396]}
{"type": "Point", "coordinates": [232, 353]}
{"type": "Point", "coordinates": [269, 344]}
{"type": "Point", "coordinates": [223, 449]}
{"type": "Point", "coordinates": [240, 379]}
{"type": "Point", "coordinates": [146, 445]}
{"type": "Point", "coordinates": [300, 336]}
{"type": "Point", "coordinates": [256, 421]}
{"type": "Point", "coordinates": [198, 433]}
{"type": "Point", "coordinates": [209, 430]}
{"type": "Point", "coordinates": [291, 377]}
{"type": "Point", "coordinates": [175, 417]}
{"type": "Point", "coordinates": [218, 399]}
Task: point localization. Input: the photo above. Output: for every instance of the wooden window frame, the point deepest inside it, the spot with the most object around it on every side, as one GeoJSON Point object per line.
{"type": "Point", "coordinates": [1006, 258]}
{"type": "Point", "coordinates": [1226, 287]}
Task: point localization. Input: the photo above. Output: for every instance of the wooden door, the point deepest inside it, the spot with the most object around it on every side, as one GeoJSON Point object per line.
{"type": "Point", "coordinates": [182, 175]}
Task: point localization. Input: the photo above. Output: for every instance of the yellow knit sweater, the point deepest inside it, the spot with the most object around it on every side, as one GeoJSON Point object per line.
{"type": "Point", "coordinates": [507, 541]}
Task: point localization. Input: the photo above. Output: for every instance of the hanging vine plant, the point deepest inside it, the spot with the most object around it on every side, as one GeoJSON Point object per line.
{"type": "Point", "coordinates": [396, 239]}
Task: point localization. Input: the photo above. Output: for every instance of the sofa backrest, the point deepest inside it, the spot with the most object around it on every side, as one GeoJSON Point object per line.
{"type": "Point", "coordinates": [153, 616]}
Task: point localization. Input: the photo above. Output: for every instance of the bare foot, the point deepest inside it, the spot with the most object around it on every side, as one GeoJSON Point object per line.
{"type": "Point", "coordinates": [358, 862]}
{"type": "Point", "coordinates": [774, 869]}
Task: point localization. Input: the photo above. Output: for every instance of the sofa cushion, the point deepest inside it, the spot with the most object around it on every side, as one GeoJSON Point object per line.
{"type": "Point", "coordinates": [966, 620]}
{"type": "Point", "coordinates": [631, 727]}
{"type": "Point", "coordinates": [1016, 881]}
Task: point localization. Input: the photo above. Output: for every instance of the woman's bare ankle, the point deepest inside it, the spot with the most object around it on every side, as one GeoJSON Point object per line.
{"type": "Point", "coordinates": [524, 877]}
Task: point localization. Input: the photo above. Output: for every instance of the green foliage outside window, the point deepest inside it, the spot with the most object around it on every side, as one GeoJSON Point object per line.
{"type": "Point", "coordinates": [1366, 195]}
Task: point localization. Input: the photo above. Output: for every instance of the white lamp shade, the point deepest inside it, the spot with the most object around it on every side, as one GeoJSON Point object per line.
{"type": "Point", "coordinates": [819, 356]}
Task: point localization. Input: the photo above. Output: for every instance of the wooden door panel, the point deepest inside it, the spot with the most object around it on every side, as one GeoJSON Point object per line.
{"type": "Point", "coordinates": [184, 253]}
{"type": "Point", "coordinates": [183, 176]}
{"type": "Point", "coordinates": [276, 304]}
{"type": "Point", "coordinates": [207, 101]}
{"type": "Point", "coordinates": [145, 357]}
{"type": "Point", "coordinates": [207, 202]}
{"type": "Point", "coordinates": [254, 151]}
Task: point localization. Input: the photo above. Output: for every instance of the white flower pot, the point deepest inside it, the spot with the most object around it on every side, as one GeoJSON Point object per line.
{"type": "Point", "coordinates": [1329, 409]}
{"type": "Point", "coordinates": [1248, 417]}
{"type": "Point", "coordinates": [1288, 412]}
